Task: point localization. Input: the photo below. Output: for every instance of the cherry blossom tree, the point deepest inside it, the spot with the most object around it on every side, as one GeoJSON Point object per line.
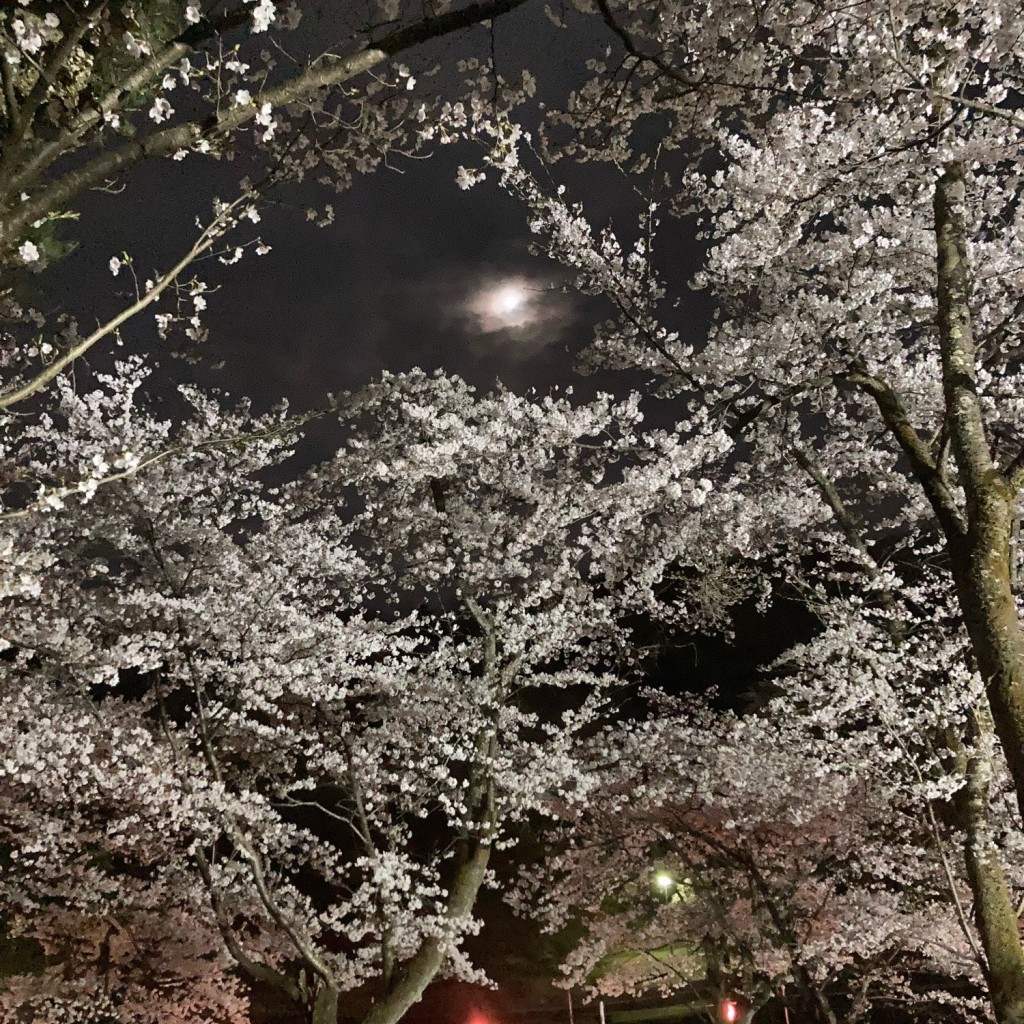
{"type": "Point", "coordinates": [808, 852]}
{"type": "Point", "coordinates": [855, 175]}
{"type": "Point", "coordinates": [873, 169]}
{"type": "Point", "coordinates": [337, 695]}
{"type": "Point", "coordinates": [81, 81]}
{"type": "Point", "coordinates": [310, 711]}
{"type": "Point", "coordinates": [803, 895]}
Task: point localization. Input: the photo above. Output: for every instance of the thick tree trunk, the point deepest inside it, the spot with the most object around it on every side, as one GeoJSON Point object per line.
{"type": "Point", "coordinates": [422, 968]}
{"type": "Point", "coordinates": [982, 580]}
{"type": "Point", "coordinates": [325, 1009]}
{"type": "Point", "coordinates": [994, 911]}
{"type": "Point", "coordinates": [981, 554]}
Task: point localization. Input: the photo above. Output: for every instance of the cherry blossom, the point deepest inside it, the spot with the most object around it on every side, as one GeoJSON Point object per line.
{"type": "Point", "coordinates": [316, 708]}
{"type": "Point", "coordinates": [854, 174]}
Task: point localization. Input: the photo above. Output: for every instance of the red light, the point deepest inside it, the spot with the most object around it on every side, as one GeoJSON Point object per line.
{"type": "Point", "coordinates": [730, 1011]}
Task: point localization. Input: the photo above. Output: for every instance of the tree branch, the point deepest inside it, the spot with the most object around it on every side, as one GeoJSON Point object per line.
{"type": "Point", "coordinates": [48, 75]}
{"type": "Point", "coordinates": [428, 959]}
{"type": "Point", "coordinates": [13, 182]}
{"type": "Point", "coordinates": [257, 971]}
{"type": "Point", "coordinates": [956, 342]}
{"type": "Point", "coordinates": [922, 465]}
{"type": "Point", "coordinates": [288, 427]}
{"type": "Point", "coordinates": [11, 101]}
{"type": "Point", "coordinates": [327, 72]}
{"type": "Point", "coordinates": [209, 236]}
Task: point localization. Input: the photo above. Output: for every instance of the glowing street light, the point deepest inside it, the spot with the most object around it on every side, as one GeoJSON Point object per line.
{"type": "Point", "coordinates": [730, 1010]}
{"type": "Point", "coordinates": [664, 881]}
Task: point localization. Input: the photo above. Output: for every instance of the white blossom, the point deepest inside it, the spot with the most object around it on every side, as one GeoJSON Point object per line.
{"type": "Point", "coordinates": [161, 110]}
{"type": "Point", "coordinates": [137, 48]}
{"type": "Point", "coordinates": [263, 14]}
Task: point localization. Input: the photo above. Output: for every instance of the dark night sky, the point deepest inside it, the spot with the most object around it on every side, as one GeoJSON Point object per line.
{"type": "Point", "coordinates": [386, 285]}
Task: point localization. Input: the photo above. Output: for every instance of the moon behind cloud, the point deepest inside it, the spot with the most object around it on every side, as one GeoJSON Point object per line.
{"type": "Point", "coordinates": [508, 300]}
{"type": "Point", "coordinates": [506, 303]}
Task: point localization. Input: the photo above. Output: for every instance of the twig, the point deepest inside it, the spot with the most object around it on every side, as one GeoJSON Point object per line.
{"type": "Point", "coordinates": [204, 243]}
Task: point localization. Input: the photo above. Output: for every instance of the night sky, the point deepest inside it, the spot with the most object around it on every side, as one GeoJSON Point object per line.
{"type": "Point", "coordinates": [403, 277]}
{"type": "Point", "coordinates": [393, 282]}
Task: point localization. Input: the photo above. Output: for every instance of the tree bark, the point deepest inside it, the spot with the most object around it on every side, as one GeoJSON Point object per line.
{"type": "Point", "coordinates": [325, 1009]}
{"type": "Point", "coordinates": [981, 554]}
{"type": "Point", "coordinates": [420, 970]}
{"type": "Point", "coordinates": [994, 911]}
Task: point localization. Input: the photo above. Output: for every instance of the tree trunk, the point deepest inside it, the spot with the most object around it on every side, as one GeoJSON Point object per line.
{"type": "Point", "coordinates": [981, 554]}
{"type": "Point", "coordinates": [981, 575]}
{"type": "Point", "coordinates": [422, 968]}
{"type": "Point", "coordinates": [994, 910]}
{"type": "Point", "coordinates": [325, 1009]}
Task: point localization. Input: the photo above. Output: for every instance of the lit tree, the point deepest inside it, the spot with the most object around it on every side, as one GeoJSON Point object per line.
{"type": "Point", "coordinates": [90, 91]}
{"type": "Point", "coordinates": [81, 81]}
{"type": "Point", "coordinates": [856, 175]}
{"type": "Point", "coordinates": [321, 704]}
{"type": "Point", "coordinates": [808, 851]}
{"type": "Point", "coordinates": [869, 170]}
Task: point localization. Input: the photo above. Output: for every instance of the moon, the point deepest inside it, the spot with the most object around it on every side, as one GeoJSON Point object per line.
{"type": "Point", "coordinates": [504, 303]}
{"type": "Point", "coordinates": [508, 299]}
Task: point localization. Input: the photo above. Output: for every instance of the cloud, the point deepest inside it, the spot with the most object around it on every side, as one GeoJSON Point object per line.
{"type": "Point", "coordinates": [516, 307]}
{"type": "Point", "coordinates": [505, 317]}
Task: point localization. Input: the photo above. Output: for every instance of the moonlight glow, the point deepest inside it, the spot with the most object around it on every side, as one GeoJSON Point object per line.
{"type": "Point", "coordinates": [508, 299]}
{"type": "Point", "coordinates": [504, 303]}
